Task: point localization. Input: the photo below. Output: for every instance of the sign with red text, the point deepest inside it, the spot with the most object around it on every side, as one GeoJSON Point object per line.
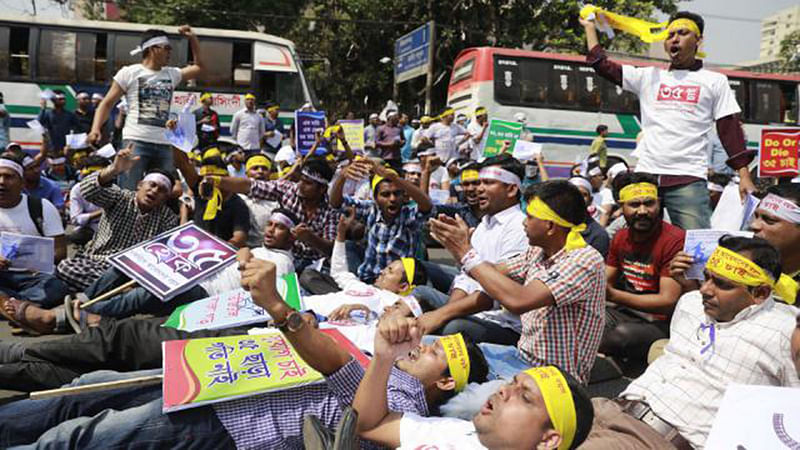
{"type": "Point", "coordinates": [777, 156]}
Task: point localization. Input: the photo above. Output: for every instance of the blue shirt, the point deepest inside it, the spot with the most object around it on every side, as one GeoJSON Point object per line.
{"type": "Point", "coordinates": [405, 151]}
{"type": "Point", "coordinates": [58, 126]}
{"type": "Point", "coordinates": [49, 190]}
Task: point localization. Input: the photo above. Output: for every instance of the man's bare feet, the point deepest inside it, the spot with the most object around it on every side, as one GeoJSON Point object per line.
{"type": "Point", "coordinates": [28, 316]}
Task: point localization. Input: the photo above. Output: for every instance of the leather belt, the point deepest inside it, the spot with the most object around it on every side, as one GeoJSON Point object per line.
{"type": "Point", "coordinates": [642, 412]}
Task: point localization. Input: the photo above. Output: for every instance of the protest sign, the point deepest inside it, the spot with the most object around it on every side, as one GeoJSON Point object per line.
{"type": "Point", "coordinates": [275, 140]}
{"type": "Point", "coordinates": [184, 135]}
{"type": "Point", "coordinates": [308, 124]}
{"type": "Point", "coordinates": [757, 417]}
{"type": "Point", "coordinates": [777, 155]}
{"type": "Point", "coordinates": [36, 126]}
{"type": "Point", "coordinates": [28, 252]}
{"type": "Point", "coordinates": [499, 131]}
{"type": "Point", "coordinates": [76, 141]}
{"type": "Point", "coordinates": [210, 370]}
{"type": "Point", "coordinates": [107, 151]}
{"type": "Point", "coordinates": [354, 133]}
{"type": "Point", "coordinates": [231, 309]}
{"type": "Point", "coordinates": [526, 151]}
{"type": "Point", "coordinates": [699, 244]}
{"type": "Point", "coordinates": [731, 213]}
{"type": "Point", "coordinates": [174, 261]}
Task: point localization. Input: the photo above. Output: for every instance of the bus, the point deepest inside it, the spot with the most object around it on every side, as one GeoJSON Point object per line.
{"type": "Point", "coordinates": [564, 100]}
{"type": "Point", "coordinates": [79, 55]}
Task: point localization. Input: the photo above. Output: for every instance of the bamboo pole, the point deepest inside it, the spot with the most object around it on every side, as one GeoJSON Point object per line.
{"type": "Point", "coordinates": [96, 387]}
{"type": "Point", "coordinates": [109, 294]}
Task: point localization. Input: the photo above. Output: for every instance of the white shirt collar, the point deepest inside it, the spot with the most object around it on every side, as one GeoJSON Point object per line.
{"type": "Point", "coordinates": [503, 216]}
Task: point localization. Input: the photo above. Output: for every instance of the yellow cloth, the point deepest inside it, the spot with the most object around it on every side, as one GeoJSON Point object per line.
{"type": "Point", "coordinates": [330, 131]}
{"type": "Point", "coordinates": [638, 190]}
{"type": "Point", "coordinates": [539, 209]}
{"type": "Point", "coordinates": [447, 112]}
{"type": "Point", "coordinates": [249, 96]}
{"type": "Point", "coordinates": [425, 119]}
{"type": "Point", "coordinates": [377, 179]}
{"type": "Point", "coordinates": [735, 267]}
{"type": "Point", "coordinates": [469, 175]}
{"type": "Point", "coordinates": [558, 402]}
{"type": "Point", "coordinates": [215, 202]}
{"type": "Point", "coordinates": [273, 108]}
{"type": "Point", "coordinates": [258, 160]}
{"type": "Point", "coordinates": [87, 170]}
{"type": "Point", "coordinates": [212, 152]}
{"type": "Point", "coordinates": [480, 111]}
{"type": "Point", "coordinates": [457, 359]}
{"type": "Point", "coordinates": [205, 96]}
{"type": "Point", "coordinates": [409, 265]}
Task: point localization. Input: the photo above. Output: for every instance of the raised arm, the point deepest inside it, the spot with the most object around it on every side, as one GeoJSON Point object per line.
{"type": "Point", "coordinates": [103, 110]}
{"type": "Point", "coordinates": [357, 170]}
{"type": "Point", "coordinates": [597, 56]}
{"type": "Point", "coordinates": [192, 71]}
{"type": "Point", "coordinates": [423, 201]}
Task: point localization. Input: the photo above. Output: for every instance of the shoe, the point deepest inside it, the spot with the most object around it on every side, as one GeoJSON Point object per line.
{"type": "Point", "coordinates": [315, 435]}
{"type": "Point", "coordinates": [346, 437]}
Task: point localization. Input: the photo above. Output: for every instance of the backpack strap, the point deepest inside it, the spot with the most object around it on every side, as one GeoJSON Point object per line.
{"type": "Point", "coordinates": [35, 210]}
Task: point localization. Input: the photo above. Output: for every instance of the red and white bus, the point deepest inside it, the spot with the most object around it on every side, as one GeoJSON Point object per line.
{"type": "Point", "coordinates": [564, 100]}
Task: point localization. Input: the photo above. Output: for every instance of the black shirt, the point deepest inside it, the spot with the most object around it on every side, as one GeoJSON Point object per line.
{"type": "Point", "coordinates": [234, 216]}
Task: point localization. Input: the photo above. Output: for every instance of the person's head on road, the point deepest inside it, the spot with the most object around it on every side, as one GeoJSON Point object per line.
{"type": "Point", "coordinates": [154, 48]}
{"type": "Point", "coordinates": [638, 195]}
{"type": "Point", "coordinates": [154, 189]}
{"type": "Point", "coordinates": [500, 183]}
{"type": "Point", "coordinates": [314, 178]}
{"type": "Point", "coordinates": [684, 36]}
{"type": "Point", "coordinates": [11, 180]}
{"type": "Point", "coordinates": [401, 276]}
{"type": "Point", "coordinates": [777, 219]}
{"type": "Point", "coordinates": [556, 214]}
{"type": "Point", "coordinates": [258, 167]}
{"type": "Point", "coordinates": [542, 408]}
{"type": "Point", "coordinates": [741, 272]}
{"type": "Point", "coordinates": [278, 230]}
{"type": "Point", "coordinates": [250, 101]}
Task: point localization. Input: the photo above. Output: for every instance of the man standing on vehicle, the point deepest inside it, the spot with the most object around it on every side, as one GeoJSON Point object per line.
{"type": "Point", "coordinates": [148, 88]}
{"type": "Point", "coordinates": [679, 106]}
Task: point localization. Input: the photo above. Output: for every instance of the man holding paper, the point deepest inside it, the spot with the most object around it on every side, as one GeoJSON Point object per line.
{"type": "Point", "coordinates": [58, 121]}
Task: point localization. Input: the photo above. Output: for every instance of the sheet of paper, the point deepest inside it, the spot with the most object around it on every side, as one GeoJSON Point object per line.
{"type": "Point", "coordinates": [47, 94]}
{"type": "Point", "coordinates": [526, 151]}
{"type": "Point", "coordinates": [439, 196]}
{"type": "Point", "coordinates": [730, 211]}
{"type": "Point", "coordinates": [33, 253]}
{"type": "Point", "coordinates": [76, 140]}
{"type": "Point", "coordinates": [106, 151]}
{"type": "Point", "coordinates": [699, 244]}
{"type": "Point", "coordinates": [184, 135]}
{"type": "Point", "coordinates": [275, 140]}
{"type": "Point", "coordinates": [207, 128]}
{"type": "Point", "coordinates": [36, 126]}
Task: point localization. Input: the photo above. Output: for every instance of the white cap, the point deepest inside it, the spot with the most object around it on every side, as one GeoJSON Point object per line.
{"type": "Point", "coordinates": [97, 96]}
{"type": "Point", "coordinates": [391, 113]}
{"type": "Point", "coordinates": [373, 116]}
{"type": "Point", "coordinates": [520, 117]}
{"type": "Point", "coordinates": [286, 153]}
{"type": "Point", "coordinates": [616, 169]}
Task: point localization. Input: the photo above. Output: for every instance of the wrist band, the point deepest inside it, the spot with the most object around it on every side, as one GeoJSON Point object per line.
{"type": "Point", "coordinates": [470, 260]}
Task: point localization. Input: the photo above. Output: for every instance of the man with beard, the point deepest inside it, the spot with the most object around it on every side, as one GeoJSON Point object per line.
{"type": "Point", "coordinates": [257, 167]}
{"type": "Point", "coordinates": [679, 108]}
{"type": "Point", "coordinates": [637, 271]}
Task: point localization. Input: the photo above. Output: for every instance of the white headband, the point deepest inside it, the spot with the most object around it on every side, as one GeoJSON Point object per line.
{"type": "Point", "coordinates": [714, 187]}
{"type": "Point", "coordinates": [282, 219]}
{"type": "Point", "coordinates": [413, 305]}
{"type": "Point", "coordinates": [158, 40]}
{"type": "Point", "coordinates": [581, 182]}
{"type": "Point", "coordinates": [60, 160]}
{"type": "Point", "coordinates": [499, 174]}
{"type": "Point", "coordinates": [616, 169]}
{"type": "Point", "coordinates": [59, 96]}
{"type": "Point", "coordinates": [82, 95]}
{"type": "Point", "coordinates": [9, 164]}
{"type": "Point", "coordinates": [412, 168]}
{"type": "Point", "coordinates": [313, 176]}
{"type": "Point", "coordinates": [595, 171]}
{"type": "Point", "coordinates": [158, 178]}
{"type": "Point", "coordinates": [28, 161]}
{"type": "Point", "coordinates": [97, 96]}
{"type": "Point", "coordinates": [781, 208]}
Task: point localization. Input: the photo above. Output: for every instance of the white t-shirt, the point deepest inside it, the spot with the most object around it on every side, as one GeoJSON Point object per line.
{"type": "Point", "coordinates": [18, 219]}
{"type": "Point", "coordinates": [437, 433]}
{"type": "Point", "coordinates": [438, 178]}
{"type": "Point", "coordinates": [603, 197]}
{"type": "Point", "coordinates": [679, 109]}
{"type": "Point", "coordinates": [445, 139]}
{"type": "Point", "coordinates": [148, 94]}
{"type": "Point", "coordinates": [230, 278]}
{"type": "Point", "coordinates": [476, 148]}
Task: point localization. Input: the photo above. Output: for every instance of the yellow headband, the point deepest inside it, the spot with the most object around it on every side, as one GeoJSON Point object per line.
{"type": "Point", "coordinates": [90, 169]}
{"type": "Point", "coordinates": [539, 209]}
{"type": "Point", "coordinates": [425, 119]}
{"type": "Point", "coordinates": [273, 108]}
{"type": "Point", "coordinates": [480, 111]}
{"type": "Point", "coordinates": [212, 152]}
{"type": "Point", "coordinates": [690, 24]}
{"type": "Point", "coordinates": [558, 402]}
{"type": "Point", "coordinates": [447, 112]}
{"type": "Point", "coordinates": [330, 131]}
{"type": "Point", "coordinates": [205, 96]}
{"type": "Point", "coordinates": [256, 161]}
{"type": "Point", "coordinates": [377, 179]}
{"type": "Point", "coordinates": [210, 169]}
{"type": "Point", "coordinates": [249, 96]}
{"type": "Point", "coordinates": [457, 359]}
{"type": "Point", "coordinates": [735, 267]}
{"type": "Point", "coordinates": [410, 265]}
{"type": "Point", "coordinates": [469, 175]}
{"type": "Point", "coordinates": [638, 190]}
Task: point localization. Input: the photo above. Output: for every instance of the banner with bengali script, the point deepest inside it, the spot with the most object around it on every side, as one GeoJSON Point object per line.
{"type": "Point", "coordinates": [354, 133]}
{"type": "Point", "coordinates": [308, 124]}
{"type": "Point", "coordinates": [231, 309]}
{"type": "Point", "coordinates": [499, 131]}
{"type": "Point", "coordinates": [174, 261]}
{"type": "Point", "coordinates": [210, 370]}
{"type": "Point", "coordinates": [778, 152]}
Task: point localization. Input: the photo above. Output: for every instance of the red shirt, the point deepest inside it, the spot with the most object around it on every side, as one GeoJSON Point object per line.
{"type": "Point", "coordinates": [642, 264]}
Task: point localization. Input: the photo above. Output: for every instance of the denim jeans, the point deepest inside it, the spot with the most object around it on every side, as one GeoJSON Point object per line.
{"type": "Point", "coordinates": [440, 276]}
{"type": "Point", "coordinates": [431, 297]}
{"type": "Point", "coordinates": [135, 301]}
{"type": "Point", "coordinates": [151, 156]}
{"type": "Point", "coordinates": [118, 418]}
{"type": "Point", "coordinates": [504, 361]}
{"type": "Point", "coordinates": [688, 205]}
{"type": "Point", "coordinates": [40, 288]}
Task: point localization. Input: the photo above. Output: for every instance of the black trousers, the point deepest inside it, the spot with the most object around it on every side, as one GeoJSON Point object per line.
{"type": "Point", "coordinates": [121, 345]}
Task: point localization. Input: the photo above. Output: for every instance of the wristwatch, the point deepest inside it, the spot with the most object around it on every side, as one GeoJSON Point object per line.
{"type": "Point", "coordinates": [292, 323]}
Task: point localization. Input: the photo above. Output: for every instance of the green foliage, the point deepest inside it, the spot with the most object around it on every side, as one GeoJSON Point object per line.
{"type": "Point", "coordinates": [790, 52]}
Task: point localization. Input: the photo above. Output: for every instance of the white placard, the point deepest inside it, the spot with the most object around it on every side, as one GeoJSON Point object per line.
{"type": "Point", "coordinates": [184, 135]}
{"type": "Point", "coordinates": [77, 140]}
{"type": "Point", "coordinates": [207, 128]}
{"type": "Point", "coordinates": [106, 151]}
{"type": "Point", "coordinates": [36, 126]}
{"type": "Point", "coordinates": [275, 140]}
{"type": "Point", "coordinates": [526, 151]}
{"type": "Point", "coordinates": [731, 214]}
{"type": "Point", "coordinates": [26, 252]}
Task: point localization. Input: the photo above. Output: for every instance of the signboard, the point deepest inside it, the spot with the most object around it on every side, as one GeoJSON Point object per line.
{"type": "Point", "coordinates": [499, 131]}
{"type": "Point", "coordinates": [174, 261]}
{"type": "Point", "coordinates": [28, 252]}
{"type": "Point", "coordinates": [308, 124]}
{"type": "Point", "coordinates": [210, 370]}
{"type": "Point", "coordinates": [231, 309]}
{"type": "Point", "coordinates": [413, 53]}
{"type": "Point", "coordinates": [354, 133]}
{"type": "Point", "coordinates": [777, 155]}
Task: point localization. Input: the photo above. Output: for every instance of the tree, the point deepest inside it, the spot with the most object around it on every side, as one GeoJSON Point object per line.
{"type": "Point", "coordinates": [789, 53]}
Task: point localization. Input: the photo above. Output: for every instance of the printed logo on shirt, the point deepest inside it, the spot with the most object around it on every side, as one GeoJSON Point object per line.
{"type": "Point", "coordinates": [680, 93]}
{"type": "Point", "coordinates": [639, 275]}
{"type": "Point", "coordinates": [155, 96]}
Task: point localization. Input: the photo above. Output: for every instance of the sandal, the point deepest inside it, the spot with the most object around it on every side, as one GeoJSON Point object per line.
{"type": "Point", "coordinates": [69, 312]}
{"type": "Point", "coordinates": [315, 435]}
{"type": "Point", "coordinates": [18, 318]}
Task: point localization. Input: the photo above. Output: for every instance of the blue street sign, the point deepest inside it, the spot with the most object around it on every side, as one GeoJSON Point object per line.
{"type": "Point", "coordinates": [412, 53]}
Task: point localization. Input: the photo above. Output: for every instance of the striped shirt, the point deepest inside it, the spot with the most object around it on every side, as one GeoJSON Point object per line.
{"type": "Point", "coordinates": [568, 332]}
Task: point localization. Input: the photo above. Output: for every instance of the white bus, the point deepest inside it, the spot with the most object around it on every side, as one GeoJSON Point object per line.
{"type": "Point", "coordinates": [73, 55]}
{"type": "Point", "coordinates": [564, 100]}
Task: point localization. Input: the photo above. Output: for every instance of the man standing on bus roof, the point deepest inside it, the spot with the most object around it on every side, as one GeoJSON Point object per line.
{"type": "Point", "coordinates": [147, 88]}
{"type": "Point", "coordinates": [679, 106]}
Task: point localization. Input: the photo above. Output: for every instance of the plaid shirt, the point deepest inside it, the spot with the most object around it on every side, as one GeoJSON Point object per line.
{"type": "Point", "coordinates": [323, 222]}
{"type": "Point", "coordinates": [568, 332]}
{"type": "Point", "coordinates": [386, 241]}
{"type": "Point", "coordinates": [275, 420]}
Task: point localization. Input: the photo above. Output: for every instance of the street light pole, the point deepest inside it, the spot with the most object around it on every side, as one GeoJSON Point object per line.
{"type": "Point", "coordinates": [429, 75]}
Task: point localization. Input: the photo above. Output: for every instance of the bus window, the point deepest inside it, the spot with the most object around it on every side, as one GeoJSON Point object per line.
{"type": "Point", "coordinates": [765, 102]}
{"type": "Point", "coordinates": [56, 57]}
{"type": "Point", "coordinates": [739, 90]}
{"type": "Point", "coordinates": [242, 64]}
{"type": "Point", "coordinates": [4, 51]}
{"type": "Point", "coordinates": [20, 63]}
{"type": "Point", "coordinates": [219, 73]}
{"type": "Point", "coordinates": [563, 86]}
{"type": "Point", "coordinates": [463, 71]}
{"type": "Point", "coordinates": [506, 80]}
{"type": "Point", "coordinates": [590, 90]}
{"type": "Point", "coordinates": [86, 53]}
{"type": "Point", "coordinates": [618, 100]}
{"type": "Point", "coordinates": [534, 76]}
{"type": "Point", "coordinates": [124, 43]}
{"type": "Point", "coordinates": [282, 87]}
{"type": "Point", "coordinates": [788, 102]}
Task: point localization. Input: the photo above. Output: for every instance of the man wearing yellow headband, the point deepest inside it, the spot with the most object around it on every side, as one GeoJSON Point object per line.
{"type": "Point", "coordinates": [258, 167]}
{"type": "Point", "coordinates": [478, 132]}
{"type": "Point", "coordinates": [247, 126]}
{"type": "Point", "coordinates": [207, 121]}
{"type": "Point", "coordinates": [446, 135]}
{"type": "Point", "coordinates": [730, 331]}
{"type": "Point", "coordinates": [557, 284]}
{"type": "Point", "coordinates": [274, 128]}
{"type": "Point", "coordinates": [679, 107]}
{"type": "Point", "coordinates": [542, 407]}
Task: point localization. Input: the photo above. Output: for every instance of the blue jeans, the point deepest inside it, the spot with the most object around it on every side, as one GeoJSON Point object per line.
{"type": "Point", "coordinates": [505, 361]}
{"type": "Point", "coordinates": [135, 301]}
{"type": "Point", "coordinates": [119, 418]}
{"type": "Point", "coordinates": [433, 298]}
{"type": "Point", "coordinates": [151, 156]}
{"type": "Point", "coordinates": [440, 276]}
{"type": "Point", "coordinates": [688, 205]}
{"type": "Point", "coordinates": [40, 288]}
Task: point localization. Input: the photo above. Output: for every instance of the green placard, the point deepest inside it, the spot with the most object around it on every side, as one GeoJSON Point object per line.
{"type": "Point", "coordinates": [499, 131]}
